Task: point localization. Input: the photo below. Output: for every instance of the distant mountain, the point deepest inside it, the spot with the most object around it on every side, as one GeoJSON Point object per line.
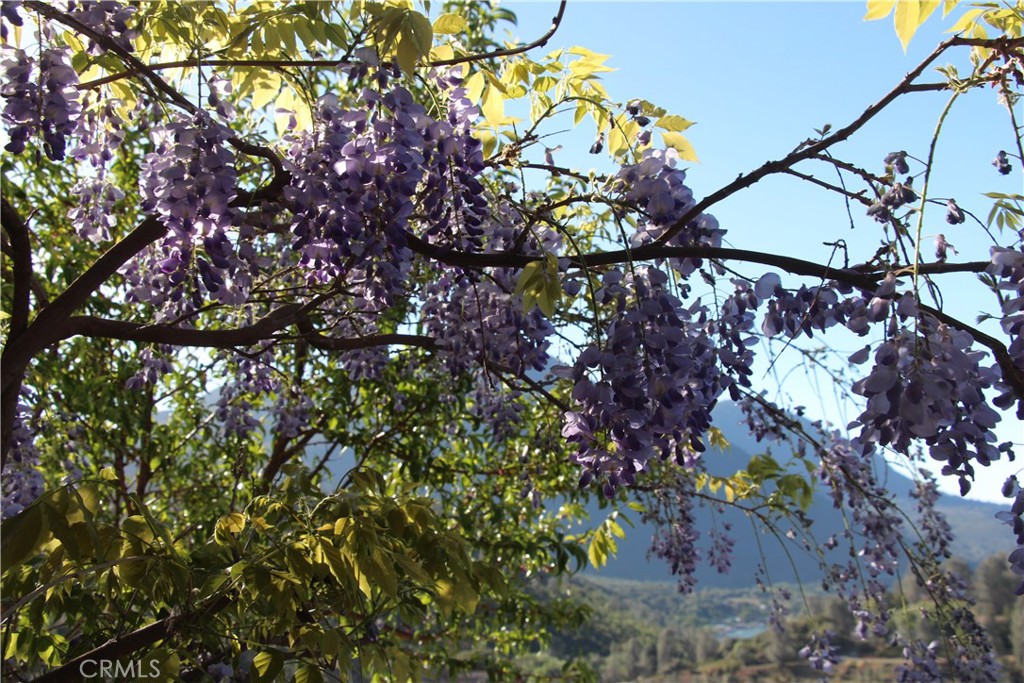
{"type": "Point", "coordinates": [978, 534]}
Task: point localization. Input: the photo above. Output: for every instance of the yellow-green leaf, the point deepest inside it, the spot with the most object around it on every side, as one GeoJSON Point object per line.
{"type": "Point", "coordinates": [879, 9]}
{"type": "Point", "coordinates": [544, 83]}
{"type": "Point", "coordinates": [267, 665]}
{"type": "Point", "coordinates": [449, 23]}
{"type": "Point", "coordinates": [441, 53]}
{"type": "Point", "coordinates": [673, 123]}
{"type": "Point", "coordinates": [166, 661]}
{"type": "Point", "coordinates": [717, 439]}
{"type": "Point", "coordinates": [265, 88]}
{"type": "Point", "coordinates": [617, 143]}
{"type": "Point", "coordinates": [493, 106]}
{"type": "Point", "coordinates": [308, 673]}
{"type": "Point", "coordinates": [231, 523]}
{"type": "Point", "coordinates": [288, 107]}
{"type": "Point", "coordinates": [680, 144]}
{"type": "Point", "coordinates": [21, 535]}
{"type": "Point", "coordinates": [910, 14]}
{"type": "Point", "coordinates": [475, 86]}
{"type": "Point", "coordinates": [137, 527]}
{"type": "Point", "coordinates": [965, 21]}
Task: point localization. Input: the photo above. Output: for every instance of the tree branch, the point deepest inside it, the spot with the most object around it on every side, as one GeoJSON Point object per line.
{"type": "Point", "coordinates": [772, 167]}
{"type": "Point", "coordinates": [186, 63]}
{"type": "Point", "coordinates": [21, 256]}
{"type": "Point", "coordinates": [47, 327]}
{"type": "Point", "coordinates": [863, 278]}
{"type": "Point", "coordinates": [556, 21]}
{"type": "Point", "coordinates": [263, 329]}
{"type": "Point", "coordinates": [133, 642]}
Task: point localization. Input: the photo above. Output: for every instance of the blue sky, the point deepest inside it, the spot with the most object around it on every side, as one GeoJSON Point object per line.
{"type": "Point", "coordinates": [758, 77]}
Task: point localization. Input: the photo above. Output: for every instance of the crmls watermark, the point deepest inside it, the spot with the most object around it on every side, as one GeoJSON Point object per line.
{"type": "Point", "coordinates": [113, 670]}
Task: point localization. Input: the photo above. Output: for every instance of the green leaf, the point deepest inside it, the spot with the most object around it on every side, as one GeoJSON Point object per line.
{"type": "Point", "coordinates": [458, 592]}
{"type": "Point", "coordinates": [416, 37]}
{"type": "Point", "coordinates": [762, 467]}
{"type": "Point", "coordinates": [21, 535]}
{"type": "Point", "coordinates": [422, 32]}
{"type": "Point", "coordinates": [267, 665]}
{"type": "Point", "coordinates": [407, 55]}
{"type": "Point", "coordinates": [227, 526]}
{"type": "Point", "coordinates": [163, 659]}
{"type": "Point", "coordinates": [308, 673]}
{"type": "Point", "coordinates": [137, 528]}
{"type": "Point", "coordinates": [449, 23]}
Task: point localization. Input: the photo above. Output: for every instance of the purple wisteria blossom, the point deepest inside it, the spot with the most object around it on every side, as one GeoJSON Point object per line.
{"type": "Point", "coordinates": [41, 99]}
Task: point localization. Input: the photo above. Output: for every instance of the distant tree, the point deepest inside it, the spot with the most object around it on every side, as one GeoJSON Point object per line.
{"type": "Point", "coordinates": [669, 651]}
{"type": "Point", "coordinates": [993, 586]}
{"type": "Point", "coordinates": [1017, 634]}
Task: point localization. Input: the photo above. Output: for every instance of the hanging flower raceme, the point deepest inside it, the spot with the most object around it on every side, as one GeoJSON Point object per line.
{"type": "Point", "coordinates": [930, 386]}
{"type": "Point", "coordinates": [647, 390]}
{"type": "Point", "coordinates": [1007, 268]}
{"type": "Point", "coordinates": [41, 99]}
{"type": "Point", "coordinates": [659, 191]}
{"type": "Point", "coordinates": [188, 182]}
{"type": "Point", "coordinates": [108, 17]}
{"type": "Point", "coordinates": [22, 480]}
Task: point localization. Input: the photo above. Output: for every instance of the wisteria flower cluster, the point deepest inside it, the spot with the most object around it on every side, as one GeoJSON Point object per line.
{"type": "Point", "coordinates": [847, 471]}
{"type": "Point", "coordinates": [22, 480]}
{"type": "Point", "coordinates": [820, 653]}
{"type": "Point", "coordinates": [649, 384]}
{"type": "Point", "coordinates": [108, 17]}
{"type": "Point", "coordinates": [41, 99]}
{"type": "Point", "coordinates": [930, 385]}
{"type": "Point", "coordinates": [189, 181]}
{"type": "Point", "coordinates": [1007, 268]}
{"type": "Point", "coordinates": [658, 189]}
{"type": "Point", "coordinates": [675, 538]}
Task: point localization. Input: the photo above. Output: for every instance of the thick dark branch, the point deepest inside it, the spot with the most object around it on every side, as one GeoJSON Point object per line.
{"type": "Point", "coordinates": [281, 454]}
{"type": "Point", "coordinates": [556, 21]}
{"type": "Point", "coordinates": [21, 257]}
{"type": "Point", "coordinates": [47, 327]}
{"type": "Point", "coordinates": [862, 278]}
{"type": "Point", "coordinates": [772, 167]}
{"type": "Point", "coordinates": [262, 330]}
{"type": "Point", "coordinates": [133, 642]}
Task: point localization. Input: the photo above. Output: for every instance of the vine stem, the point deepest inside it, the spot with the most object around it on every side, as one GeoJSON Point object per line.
{"type": "Point", "coordinates": [924, 190]}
